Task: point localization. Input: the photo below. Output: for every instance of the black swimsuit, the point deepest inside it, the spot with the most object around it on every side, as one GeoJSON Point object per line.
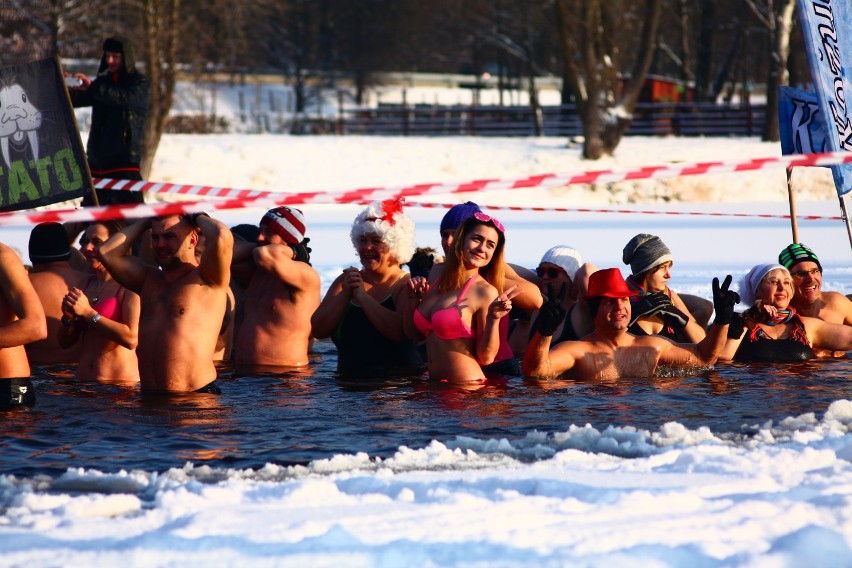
{"type": "Point", "coordinates": [16, 393]}
{"type": "Point", "coordinates": [757, 347]}
{"type": "Point", "coordinates": [363, 351]}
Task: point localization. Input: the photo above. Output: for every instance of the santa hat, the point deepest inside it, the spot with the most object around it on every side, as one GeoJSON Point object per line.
{"type": "Point", "coordinates": [387, 220]}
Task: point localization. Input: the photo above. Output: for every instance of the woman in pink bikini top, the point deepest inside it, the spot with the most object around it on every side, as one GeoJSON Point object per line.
{"type": "Point", "coordinates": [459, 314]}
{"type": "Point", "coordinates": [103, 316]}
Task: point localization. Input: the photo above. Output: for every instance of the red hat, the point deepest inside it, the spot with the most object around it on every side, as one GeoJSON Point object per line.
{"type": "Point", "coordinates": [287, 222]}
{"type": "Point", "coordinates": [609, 283]}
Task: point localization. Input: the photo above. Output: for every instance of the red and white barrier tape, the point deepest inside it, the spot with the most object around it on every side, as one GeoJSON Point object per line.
{"type": "Point", "coordinates": [630, 211]}
{"type": "Point", "coordinates": [137, 211]}
{"type": "Point", "coordinates": [542, 180]}
{"type": "Point", "coordinates": [231, 198]}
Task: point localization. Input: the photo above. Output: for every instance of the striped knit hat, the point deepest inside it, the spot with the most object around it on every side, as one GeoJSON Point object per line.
{"type": "Point", "coordinates": [796, 253]}
{"type": "Point", "coordinates": [288, 223]}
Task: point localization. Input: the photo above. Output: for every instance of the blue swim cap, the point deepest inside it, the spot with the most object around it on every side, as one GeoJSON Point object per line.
{"type": "Point", "coordinates": [458, 214]}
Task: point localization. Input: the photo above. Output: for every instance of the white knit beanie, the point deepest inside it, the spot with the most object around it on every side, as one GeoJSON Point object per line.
{"type": "Point", "coordinates": [565, 257]}
{"type": "Point", "coordinates": [751, 281]}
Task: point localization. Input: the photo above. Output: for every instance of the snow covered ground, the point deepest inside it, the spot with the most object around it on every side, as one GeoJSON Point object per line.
{"type": "Point", "coordinates": [621, 496]}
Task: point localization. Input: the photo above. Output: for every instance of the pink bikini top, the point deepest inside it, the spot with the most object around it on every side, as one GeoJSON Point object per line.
{"type": "Point", "coordinates": [109, 308]}
{"type": "Point", "coordinates": [446, 323]}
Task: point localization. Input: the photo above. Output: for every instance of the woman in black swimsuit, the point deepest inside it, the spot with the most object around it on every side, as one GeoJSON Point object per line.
{"type": "Point", "coordinates": [362, 310]}
{"type": "Point", "coordinates": [774, 332]}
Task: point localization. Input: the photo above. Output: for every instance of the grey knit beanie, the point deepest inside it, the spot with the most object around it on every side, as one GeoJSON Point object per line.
{"type": "Point", "coordinates": [644, 252]}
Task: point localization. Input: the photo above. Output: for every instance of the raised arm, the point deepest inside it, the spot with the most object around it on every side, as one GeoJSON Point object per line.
{"type": "Point", "coordinates": [539, 360]}
{"type": "Point", "coordinates": [280, 261]}
{"type": "Point", "coordinates": [127, 270]}
{"type": "Point", "coordinates": [215, 263]}
{"type": "Point", "coordinates": [708, 350]}
{"type": "Point", "coordinates": [23, 301]}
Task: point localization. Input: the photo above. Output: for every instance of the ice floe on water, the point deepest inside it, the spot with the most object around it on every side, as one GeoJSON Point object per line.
{"type": "Point", "coordinates": [674, 497]}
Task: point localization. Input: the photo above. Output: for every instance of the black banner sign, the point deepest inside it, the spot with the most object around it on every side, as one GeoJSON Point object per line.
{"type": "Point", "coordinates": [42, 160]}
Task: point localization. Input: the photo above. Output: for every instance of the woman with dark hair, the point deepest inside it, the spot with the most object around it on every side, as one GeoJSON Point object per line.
{"type": "Point", "coordinates": [459, 314]}
{"type": "Point", "coordinates": [103, 316]}
{"type": "Point", "coordinates": [657, 309]}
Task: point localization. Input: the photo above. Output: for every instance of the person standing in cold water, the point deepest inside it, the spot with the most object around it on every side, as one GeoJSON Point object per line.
{"type": "Point", "coordinates": [809, 298]}
{"type": "Point", "coordinates": [362, 311]}
{"type": "Point", "coordinates": [657, 309]}
{"type": "Point", "coordinates": [22, 321]}
{"type": "Point", "coordinates": [458, 316]}
{"type": "Point", "coordinates": [183, 302]}
{"type": "Point", "coordinates": [119, 100]}
{"type": "Point", "coordinates": [611, 351]}
{"type": "Point", "coordinates": [51, 276]}
{"type": "Point", "coordinates": [102, 317]}
{"type": "Point", "coordinates": [774, 331]}
{"type": "Point", "coordinates": [529, 297]}
{"type": "Point", "coordinates": [283, 292]}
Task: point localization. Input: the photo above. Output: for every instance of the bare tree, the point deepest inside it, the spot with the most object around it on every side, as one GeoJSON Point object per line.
{"type": "Point", "coordinates": [594, 64]}
{"type": "Point", "coordinates": [777, 18]}
{"type": "Point", "coordinates": [162, 28]}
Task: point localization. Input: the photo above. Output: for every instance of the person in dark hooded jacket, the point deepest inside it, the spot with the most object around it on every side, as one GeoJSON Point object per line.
{"type": "Point", "coordinates": [119, 100]}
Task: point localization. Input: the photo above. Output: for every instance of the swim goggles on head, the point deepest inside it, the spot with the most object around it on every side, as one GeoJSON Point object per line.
{"type": "Point", "coordinates": [486, 218]}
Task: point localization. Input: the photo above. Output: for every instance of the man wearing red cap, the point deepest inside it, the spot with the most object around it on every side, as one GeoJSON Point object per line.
{"type": "Point", "coordinates": [610, 351]}
{"type": "Point", "coordinates": [283, 292]}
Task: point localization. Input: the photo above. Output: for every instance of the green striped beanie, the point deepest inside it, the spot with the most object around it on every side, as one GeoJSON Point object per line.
{"type": "Point", "coordinates": [796, 253]}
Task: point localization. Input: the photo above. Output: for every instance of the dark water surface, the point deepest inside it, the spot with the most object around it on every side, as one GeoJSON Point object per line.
{"type": "Point", "coordinates": [296, 417]}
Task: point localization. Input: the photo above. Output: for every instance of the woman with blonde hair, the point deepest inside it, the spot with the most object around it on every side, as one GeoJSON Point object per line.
{"type": "Point", "coordinates": [459, 313]}
{"type": "Point", "coordinates": [774, 332]}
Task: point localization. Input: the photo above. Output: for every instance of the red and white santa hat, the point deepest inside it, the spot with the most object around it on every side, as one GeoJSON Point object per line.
{"type": "Point", "coordinates": [287, 222]}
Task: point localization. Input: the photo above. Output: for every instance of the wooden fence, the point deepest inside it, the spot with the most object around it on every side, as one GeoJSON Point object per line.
{"type": "Point", "coordinates": [649, 119]}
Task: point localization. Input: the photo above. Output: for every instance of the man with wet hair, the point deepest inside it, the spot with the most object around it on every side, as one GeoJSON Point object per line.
{"type": "Point", "coordinates": [22, 321]}
{"type": "Point", "coordinates": [610, 351]}
{"type": "Point", "coordinates": [183, 301]}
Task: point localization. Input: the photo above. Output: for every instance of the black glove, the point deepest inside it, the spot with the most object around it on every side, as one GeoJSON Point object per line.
{"type": "Point", "coordinates": [736, 327]}
{"type": "Point", "coordinates": [552, 312]}
{"type": "Point", "coordinates": [724, 301]}
{"type": "Point", "coordinates": [658, 304]}
{"type": "Point", "coordinates": [301, 251]}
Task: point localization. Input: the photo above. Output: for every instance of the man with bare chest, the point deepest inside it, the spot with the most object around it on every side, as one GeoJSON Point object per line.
{"type": "Point", "coordinates": [610, 351]}
{"type": "Point", "coordinates": [52, 275]}
{"type": "Point", "coordinates": [283, 292]}
{"type": "Point", "coordinates": [22, 321]}
{"type": "Point", "coordinates": [183, 301]}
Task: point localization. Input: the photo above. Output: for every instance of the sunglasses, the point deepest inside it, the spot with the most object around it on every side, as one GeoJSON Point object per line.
{"type": "Point", "coordinates": [550, 272]}
{"type": "Point", "coordinates": [486, 218]}
{"type": "Point", "coordinates": [803, 273]}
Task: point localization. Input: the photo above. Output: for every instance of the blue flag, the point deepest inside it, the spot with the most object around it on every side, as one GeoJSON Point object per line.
{"type": "Point", "coordinates": [827, 27]}
{"type": "Point", "coordinates": [800, 122]}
